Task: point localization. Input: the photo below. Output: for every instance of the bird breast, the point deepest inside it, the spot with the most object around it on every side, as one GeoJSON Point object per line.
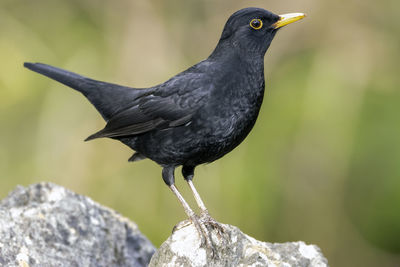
{"type": "Point", "coordinates": [229, 117]}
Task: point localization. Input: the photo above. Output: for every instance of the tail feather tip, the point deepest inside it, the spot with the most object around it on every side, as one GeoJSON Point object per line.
{"type": "Point", "coordinates": [28, 65]}
{"type": "Point", "coordinates": [91, 137]}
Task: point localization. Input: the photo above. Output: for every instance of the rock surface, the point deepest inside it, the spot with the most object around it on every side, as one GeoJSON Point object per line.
{"type": "Point", "coordinates": [234, 248]}
{"type": "Point", "coordinates": [47, 225]}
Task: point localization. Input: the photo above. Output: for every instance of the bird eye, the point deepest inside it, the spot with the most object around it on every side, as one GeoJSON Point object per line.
{"type": "Point", "coordinates": [256, 24]}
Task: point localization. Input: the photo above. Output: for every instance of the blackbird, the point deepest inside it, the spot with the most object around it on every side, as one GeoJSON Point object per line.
{"type": "Point", "coordinates": [198, 115]}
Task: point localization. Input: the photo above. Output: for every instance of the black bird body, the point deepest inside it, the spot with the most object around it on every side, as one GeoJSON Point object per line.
{"type": "Point", "coordinates": [196, 116]}
{"type": "Point", "coordinates": [219, 106]}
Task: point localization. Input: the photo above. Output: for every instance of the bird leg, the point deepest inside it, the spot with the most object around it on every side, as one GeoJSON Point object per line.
{"type": "Point", "coordinates": [189, 212]}
{"type": "Point", "coordinates": [201, 228]}
{"type": "Point", "coordinates": [197, 197]}
{"type": "Point", "coordinates": [188, 174]}
{"type": "Point", "coordinates": [205, 217]}
{"type": "Point", "coordinates": [169, 179]}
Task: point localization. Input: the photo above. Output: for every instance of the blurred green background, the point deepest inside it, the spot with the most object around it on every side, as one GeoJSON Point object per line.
{"type": "Point", "coordinates": [321, 165]}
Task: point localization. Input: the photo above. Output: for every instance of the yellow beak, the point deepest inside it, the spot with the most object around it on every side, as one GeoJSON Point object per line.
{"type": "Point", "coordinates": [286, 19]}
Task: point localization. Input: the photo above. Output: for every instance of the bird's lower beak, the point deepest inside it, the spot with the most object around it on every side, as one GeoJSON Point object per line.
{"type": "Point", "coordinates": [286, 19]}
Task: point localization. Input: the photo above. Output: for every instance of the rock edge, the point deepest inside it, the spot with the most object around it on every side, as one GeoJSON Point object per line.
{"type": "Point", "coordinates": [234, 248]}
{"type": "Point", "coordinates": [48, 225]}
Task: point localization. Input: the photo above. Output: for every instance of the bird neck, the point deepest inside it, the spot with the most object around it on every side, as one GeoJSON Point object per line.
{"type": "Point", "coordinates": [233, 53]}
{"type": "Point", "coordinates": [242, 74]}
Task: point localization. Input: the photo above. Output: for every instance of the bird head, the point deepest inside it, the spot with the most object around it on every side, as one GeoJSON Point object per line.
{"type": "Point", "coordinates": [251, 30]}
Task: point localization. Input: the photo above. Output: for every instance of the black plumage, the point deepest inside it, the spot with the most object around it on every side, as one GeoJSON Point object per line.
{"type": "Point", "coordinates": [196, 116]}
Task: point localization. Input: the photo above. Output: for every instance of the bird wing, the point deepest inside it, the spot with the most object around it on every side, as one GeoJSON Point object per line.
{"type": "Point", "coordinates": [169, 105]}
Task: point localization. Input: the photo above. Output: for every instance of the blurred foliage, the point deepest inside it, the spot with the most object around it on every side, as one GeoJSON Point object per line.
{"type": "Point", "coordinates": [321, 165]}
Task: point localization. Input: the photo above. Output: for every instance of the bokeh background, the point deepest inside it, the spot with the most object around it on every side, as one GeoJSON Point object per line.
{"type": "Point", "coordinates": [321, 165]}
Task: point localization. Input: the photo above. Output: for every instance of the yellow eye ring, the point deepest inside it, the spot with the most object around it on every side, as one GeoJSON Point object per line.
{"type": "Point", "coordinates": [256, 24]}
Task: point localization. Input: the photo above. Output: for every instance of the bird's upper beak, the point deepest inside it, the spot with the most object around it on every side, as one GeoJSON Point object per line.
{"type": "Point", "coordinates": [286, 19]}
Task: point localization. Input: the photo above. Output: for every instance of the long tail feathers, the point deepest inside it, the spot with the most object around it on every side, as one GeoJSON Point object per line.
{"type": "Point", "coordinates": [107, 98]}
{"type": "Point", "coordinates": [68, 78]}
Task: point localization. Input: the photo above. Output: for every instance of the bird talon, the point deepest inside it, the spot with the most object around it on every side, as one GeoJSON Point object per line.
{"type": "Point", "coordinates": [205, 236]}
{"type": "Point", "coordinates": [207, 219]}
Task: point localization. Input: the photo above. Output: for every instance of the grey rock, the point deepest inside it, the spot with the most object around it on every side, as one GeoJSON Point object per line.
{"type": "Point", "coordinates": [48, 225]}
{"type": "Point", "coordinates": [234, 248]}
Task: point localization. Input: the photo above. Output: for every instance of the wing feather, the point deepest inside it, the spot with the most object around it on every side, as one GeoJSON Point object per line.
{"type": "Point", "coordinates": [165, 107]}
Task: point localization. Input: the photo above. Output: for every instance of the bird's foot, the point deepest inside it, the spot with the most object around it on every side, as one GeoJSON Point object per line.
{"type": "Point", "coordinates": [214, 232]}
{"type": "Point", "coordinates": [208, 229]}
{"type": "Point", "coordinates": [202, 227]}
{"type": "Point", "coordinates": [211, 223]}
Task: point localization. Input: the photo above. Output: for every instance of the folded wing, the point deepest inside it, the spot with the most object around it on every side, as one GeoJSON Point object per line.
{"type": "Point", "coordinates": [170, 105]}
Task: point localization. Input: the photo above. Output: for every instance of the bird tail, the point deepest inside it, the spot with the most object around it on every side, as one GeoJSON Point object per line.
{"type": "Point", "coordinates": [107, 98]}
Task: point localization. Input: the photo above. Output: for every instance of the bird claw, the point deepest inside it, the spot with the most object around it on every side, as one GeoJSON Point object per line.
{"type": "Point", "coordinates": [209, 221]}
{"type": "Point", "coordinates": [203, 225]}
{"type": "Point", "coordinates": [206, 226]}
